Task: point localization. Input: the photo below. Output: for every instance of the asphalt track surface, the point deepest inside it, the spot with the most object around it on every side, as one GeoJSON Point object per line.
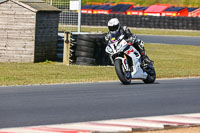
{"type": "Point", "coordinates": [67, 103]}
{"type": "Point", "coordinates": [182, 40]}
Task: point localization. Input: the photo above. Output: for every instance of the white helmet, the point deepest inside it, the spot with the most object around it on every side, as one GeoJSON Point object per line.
{"type": "Point", "coordinates": [113, 25]}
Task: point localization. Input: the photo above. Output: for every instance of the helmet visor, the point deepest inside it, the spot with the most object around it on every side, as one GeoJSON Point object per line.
{"type": "Point", "coordinates": [113, 28]}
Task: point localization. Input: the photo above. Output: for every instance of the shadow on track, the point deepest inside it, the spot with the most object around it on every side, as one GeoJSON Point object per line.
{"type": "Point", "coordinates": [140, 83]}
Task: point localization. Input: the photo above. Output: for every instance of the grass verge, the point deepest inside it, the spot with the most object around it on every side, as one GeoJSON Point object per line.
{"type": "Point", "coordinates": [141, 31]}
{"type": "Point", "coordinates": [170, 61]}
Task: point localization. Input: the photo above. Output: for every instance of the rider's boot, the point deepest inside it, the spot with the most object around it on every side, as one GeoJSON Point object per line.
{"type": "Point", "coordinates": [140, 46]}
{"type": "Point", "coordinates": [145, 59]}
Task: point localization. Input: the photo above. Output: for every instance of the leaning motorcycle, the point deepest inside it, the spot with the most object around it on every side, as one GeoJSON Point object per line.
{"type": "Point", "coordinates": [127, 61]}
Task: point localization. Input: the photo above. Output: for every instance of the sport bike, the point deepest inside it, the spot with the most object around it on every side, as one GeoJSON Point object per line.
{"type": "Point", "coordinates": [127, 61]}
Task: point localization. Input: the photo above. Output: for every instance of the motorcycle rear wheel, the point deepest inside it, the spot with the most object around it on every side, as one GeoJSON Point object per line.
{"type": "Point", "coordinates": [122, 75]}
{"type": "Point", "coordinates": [151, 77]}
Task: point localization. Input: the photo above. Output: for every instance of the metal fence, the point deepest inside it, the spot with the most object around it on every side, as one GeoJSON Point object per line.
{"type": "Point", "coordinates": [68, 17]}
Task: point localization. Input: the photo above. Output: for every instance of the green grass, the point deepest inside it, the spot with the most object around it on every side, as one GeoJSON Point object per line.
{"type": "Point", "coordinates": [194, 3]}
{"type": "Point", "coordinates": [175, 60]}
{"type": "Point", "coordinates": [166, 32]}
{"type": "Point", "coordinates": [49, 73]}
{"type": "Point", "coordinates": [141, 31]}
{"type": "Point", "coordinates": [151, 2]}
{"type": "Point", "coordinates": [170, 61]}
{"type": "Point", "coordinates": [148, 31]}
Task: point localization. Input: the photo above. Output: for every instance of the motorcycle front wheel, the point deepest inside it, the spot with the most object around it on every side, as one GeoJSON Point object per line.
{"type": "Point", "coordinates": [124, 77]}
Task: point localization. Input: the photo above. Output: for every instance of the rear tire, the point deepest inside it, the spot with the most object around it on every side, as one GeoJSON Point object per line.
{"type": "Point", "coordinates": [86, 43]}
{"type": "Point", "coordinates": [151, 75]}
{"type": "Point", "coordinates": [84, 54]}
{"type": "Point", "coordinates": [85, 37]}
{"type": "Point", "coordinates": [120, 73]}
{"type": "Point", "coordinates": [85, 49]}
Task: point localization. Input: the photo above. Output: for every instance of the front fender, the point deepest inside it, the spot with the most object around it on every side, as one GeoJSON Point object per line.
{"type": "Point", "coordinates": [124, 62]}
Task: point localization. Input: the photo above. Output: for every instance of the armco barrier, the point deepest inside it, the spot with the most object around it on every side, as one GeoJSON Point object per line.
{"type": "Point", "coordinates": [190, 23]}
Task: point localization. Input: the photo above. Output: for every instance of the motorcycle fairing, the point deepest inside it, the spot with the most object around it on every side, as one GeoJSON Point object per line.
{"type": "Point", "coordinates": [137, 73]}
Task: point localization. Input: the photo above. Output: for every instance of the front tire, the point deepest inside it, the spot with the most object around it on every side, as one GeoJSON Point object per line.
{"type": "Point", "coordinates": [123, 76]}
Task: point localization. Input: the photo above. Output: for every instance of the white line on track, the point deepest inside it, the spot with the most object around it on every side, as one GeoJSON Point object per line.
{"type": "Point", "coordinates": [117, 125]}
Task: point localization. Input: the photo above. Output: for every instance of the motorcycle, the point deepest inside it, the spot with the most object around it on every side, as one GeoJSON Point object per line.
{"type": "Point", "coordinates": [127, 61]}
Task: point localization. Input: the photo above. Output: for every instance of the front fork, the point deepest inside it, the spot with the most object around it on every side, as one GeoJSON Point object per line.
{"type": "Point", "coordinates": [125, 65]}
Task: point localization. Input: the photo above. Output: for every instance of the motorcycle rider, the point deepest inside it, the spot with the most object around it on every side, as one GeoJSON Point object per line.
{"type": "Point", "coordinates": [115, 28]}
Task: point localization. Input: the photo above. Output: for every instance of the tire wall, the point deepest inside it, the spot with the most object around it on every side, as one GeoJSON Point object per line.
{"type": "Point", "coordinates": [88, 49]}
{"type": "Point", "coordinates": [60, 45]}
{"type": "Point", "coordinates": [163, 22]}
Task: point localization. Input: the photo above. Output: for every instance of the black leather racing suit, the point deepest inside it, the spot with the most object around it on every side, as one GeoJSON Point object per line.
{"type": "Point", "coordinates": [136, 43]}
